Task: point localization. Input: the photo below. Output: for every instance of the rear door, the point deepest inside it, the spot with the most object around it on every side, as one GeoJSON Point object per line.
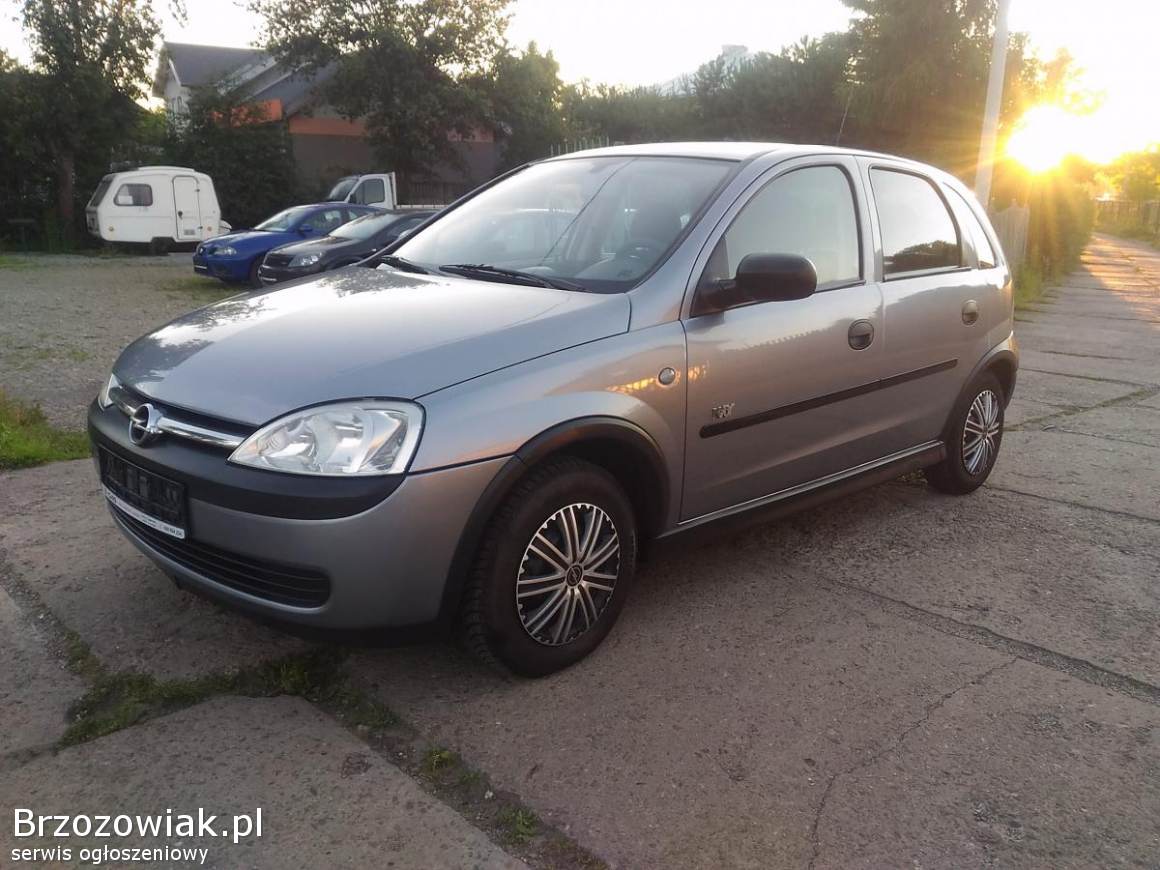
{"type": "Point", "coordinates": [779, 392]}
{"type": "Point", "coordinates": [188, 207]}
{"type": "Point", "coordinates": [931, 298]}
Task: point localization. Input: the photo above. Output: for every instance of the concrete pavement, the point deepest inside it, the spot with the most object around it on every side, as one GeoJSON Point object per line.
{"type": "Point", "coordinates": [897, 678]}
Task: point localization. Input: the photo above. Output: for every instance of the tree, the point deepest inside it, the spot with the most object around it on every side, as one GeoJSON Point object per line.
{"type": "Point", "coordinates": [1137, 175]}
{"type": "Point", "coordinates": [248, 156]}
{"type": "Point", "coordinates": [402, 66]}
{"type": "Point", "coordinates": [92, 57]}
{"type": "Point", "coordinates": [524, 94]}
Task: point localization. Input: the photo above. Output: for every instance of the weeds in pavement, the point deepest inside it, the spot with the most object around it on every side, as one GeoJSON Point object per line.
{"type": "Point", "coordinates": [519, 824]}
{"type": "Point", "coordinates": [28, 439]}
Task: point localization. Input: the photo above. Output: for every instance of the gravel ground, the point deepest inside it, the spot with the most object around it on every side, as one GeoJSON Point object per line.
{"type": "Point", "coordinates": [64, 319]}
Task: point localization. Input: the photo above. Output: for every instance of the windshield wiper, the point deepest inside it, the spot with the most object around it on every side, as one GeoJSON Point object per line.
{"type": "Point", "coordinates": [403, 265]}
{"type": "Point", "coordinates": [469, 270]}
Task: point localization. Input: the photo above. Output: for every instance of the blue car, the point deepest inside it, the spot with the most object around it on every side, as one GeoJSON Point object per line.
{"type": "Point", "coordinates": [235, 258]}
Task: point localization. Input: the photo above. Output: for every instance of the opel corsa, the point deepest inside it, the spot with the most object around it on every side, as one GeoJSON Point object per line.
{"type": "Point", "coordinates": [482, 429]}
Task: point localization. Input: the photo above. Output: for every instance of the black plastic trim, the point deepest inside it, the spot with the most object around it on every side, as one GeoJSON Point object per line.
{"type": "Point", "coordinates": [712, 430]}
{"type": "Point", "coordinates": [550, 441]}
{"type": "Point", "coordinates": [208, 476]}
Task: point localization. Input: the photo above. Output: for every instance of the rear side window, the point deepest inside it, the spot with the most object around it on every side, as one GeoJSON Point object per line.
{"type": "Point", "coordinates": [325, 221]}
{"type": "Point", "coordinates": [918, 233]}
{"type": "Point", "coordinates": [134, 194]}
{"type": "Point", "coordinates": [982, 244]}
{"type": "Point", "coordinates": [808, 212]}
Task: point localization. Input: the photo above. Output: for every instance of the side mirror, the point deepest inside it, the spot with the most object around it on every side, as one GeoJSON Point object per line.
{"type": "Point", "coordinates": [760, 278]}
{"type": "Point", "coordinates": [306, 230]}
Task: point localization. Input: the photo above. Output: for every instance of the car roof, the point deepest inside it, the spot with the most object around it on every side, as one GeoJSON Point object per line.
{"type": "Point", "coordinates": [735, 151]}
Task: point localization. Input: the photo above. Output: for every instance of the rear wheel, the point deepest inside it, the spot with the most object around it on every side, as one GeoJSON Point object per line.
{"type": "Point", "coordinates": [553, 572]}
{"type": "Point", "coordinates": [973, 438]}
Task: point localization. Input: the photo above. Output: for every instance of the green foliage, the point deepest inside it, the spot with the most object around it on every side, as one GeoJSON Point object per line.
{"type": "Point", "coordinates": [90, 63]}
{"type": "Point", "coordinates": [524, 95]}
{"type": "Point", "coordinates": [27, 438]}
{"type": "Point", "coordinates": [518, 824]}
{"type": "Point", "coordinates": [248, 156]}
{"type": "Point", "coordinates": [405, 68]}
{"type": "Point", "coordinates": [1136, 176]}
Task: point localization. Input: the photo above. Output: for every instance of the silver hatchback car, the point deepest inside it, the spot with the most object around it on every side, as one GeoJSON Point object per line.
{"type": "Point", "coordinates": [482, 427]}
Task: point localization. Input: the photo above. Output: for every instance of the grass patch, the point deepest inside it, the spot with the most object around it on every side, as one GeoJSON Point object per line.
{"type": "Point", "coordinates": [519, 824]}
{"type": "Point", "coordinates": [209, 289]}
{"type": "Point", "coordinates": [27, 439]}
{"type": "Point", "coordinates": [1029, 285]}
{"type": "Point", "coordinates": [14, 263]}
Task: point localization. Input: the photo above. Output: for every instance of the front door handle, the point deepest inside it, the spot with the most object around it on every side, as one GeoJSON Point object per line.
{"type": "Point", "coordinates": [970, 311]}
{"type": "Point", "coordinates": [861, 334]}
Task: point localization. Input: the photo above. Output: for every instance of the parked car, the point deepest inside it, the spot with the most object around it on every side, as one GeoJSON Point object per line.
{"type": "Point", "coordinates": [487, 442]}
{"type": "Point", "coordinates": [236, 257]}
{"type": "Point", "coordinates": [348, 244]}
{"type": "Point", "coordinates": [155, 205]}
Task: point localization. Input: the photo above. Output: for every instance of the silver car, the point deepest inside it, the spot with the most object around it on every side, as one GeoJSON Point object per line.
{"type": "Point", "coordinates": [483, 428]}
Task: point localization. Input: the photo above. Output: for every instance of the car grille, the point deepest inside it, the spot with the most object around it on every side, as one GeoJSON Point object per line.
{"type": "Point", "coordinates": [279, 260]}
{"type": "Point", "coordinates": [283, 584]}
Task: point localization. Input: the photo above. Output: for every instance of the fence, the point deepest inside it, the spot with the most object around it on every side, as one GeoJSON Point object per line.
{"type": "Point", "coordinates": [1011, 225]}
{"type": "Point", "coordinates": [583, 144]}
{"type": "Point", "coordinates": [1112, 212]}
{"type": "Point", "coordinates": [430, 191]}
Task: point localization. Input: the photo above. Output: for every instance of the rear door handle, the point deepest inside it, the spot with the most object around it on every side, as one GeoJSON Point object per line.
{"type": "Point", "coordinates": [861, 334]}
{"type": "Point", "coordinates": [970, 311]}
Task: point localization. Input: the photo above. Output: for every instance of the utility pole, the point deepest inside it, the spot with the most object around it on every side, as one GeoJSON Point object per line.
{"type": "Point", "coordinates": [991, 110]}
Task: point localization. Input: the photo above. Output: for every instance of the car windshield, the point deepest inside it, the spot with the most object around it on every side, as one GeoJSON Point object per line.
{"type": "Point", "coordinates": [283, 220]}
{"type": "Point", "coordinates": [366, 226]}
{"type": "Point", "coordinates": [342, 188]}
{"type": "Point", "coordinates": [598, 222]}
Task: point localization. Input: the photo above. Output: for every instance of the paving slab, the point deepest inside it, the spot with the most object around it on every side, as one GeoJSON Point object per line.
{"type": "Point", "coordinates": [1022, 410]}
{"type": "Point", "coordinates": [1131, 423]}
{"type": "Point", "coordinates": [58, 540]}
{"type": "Point", "coordinates": [1068, 391]}
{"type": "Point", "coordinates": [326, 799]}
{"type": "Point", "coordinates": [1078, 581]}
{"type": "Point", "coordinates": [1100, 473]}
{"type": "Point", "coordinates": [704, 729]}
{"type": "Point", "coordinates": [1107, 365]}
{"type": "Point", "coordinates": [1023, 769]}
{"type": "Point", "coordinates": [35, 688]}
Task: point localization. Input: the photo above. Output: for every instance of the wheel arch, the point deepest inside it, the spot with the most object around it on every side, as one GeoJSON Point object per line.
{"type": "Point", "coordinates": [622, 448]}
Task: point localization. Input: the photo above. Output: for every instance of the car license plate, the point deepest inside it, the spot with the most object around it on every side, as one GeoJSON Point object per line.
{"type": "Point", "coordinates": [146, 497]}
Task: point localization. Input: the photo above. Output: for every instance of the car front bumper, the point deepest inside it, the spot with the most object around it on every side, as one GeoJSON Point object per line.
{"type": "Point", "coordinates": [277, 274]}
{"type": "Point", "coordinates": [385, 566]}
{"type": "Point", "coordinates": [227, 269]}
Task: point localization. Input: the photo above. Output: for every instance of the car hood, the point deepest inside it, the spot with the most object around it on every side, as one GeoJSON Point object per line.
{"type": "Point", "coordinates": [247, 239]}
{"type": "Point", "coordinates": [324, 245]}
{"type": "Point", "coordinates": [356, 333]}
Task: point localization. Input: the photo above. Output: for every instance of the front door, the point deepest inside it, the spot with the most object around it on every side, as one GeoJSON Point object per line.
{"type": "Point", "coordinates": [780, 393]}
{"type": "Point", "coordinates": [188, 207]}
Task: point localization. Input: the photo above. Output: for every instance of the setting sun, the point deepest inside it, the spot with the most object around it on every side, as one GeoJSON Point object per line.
{"type": "Point", "coordinates": [1046, 134]}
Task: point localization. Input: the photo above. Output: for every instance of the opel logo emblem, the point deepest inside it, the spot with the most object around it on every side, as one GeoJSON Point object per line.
{"type": "Point", "coordinates": [144, 425]}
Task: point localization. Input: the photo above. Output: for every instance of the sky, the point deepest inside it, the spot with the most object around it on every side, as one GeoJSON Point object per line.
{"type": "Point", "coordinates": [642, 42]}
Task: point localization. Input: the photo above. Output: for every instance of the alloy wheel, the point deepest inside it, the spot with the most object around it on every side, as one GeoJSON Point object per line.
{"type": "Point", "coordinates": [981, 432]}
{"type": "Point", "coordinates": [568, 574]}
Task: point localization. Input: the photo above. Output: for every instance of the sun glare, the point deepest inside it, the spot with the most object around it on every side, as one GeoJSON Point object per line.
{"type": "Point", "coordinates": [1047, 134]}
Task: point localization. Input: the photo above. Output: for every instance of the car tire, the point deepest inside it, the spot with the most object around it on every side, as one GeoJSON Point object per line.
{"type": "Point", "coordinates": [553, 571]}
{"type": "Point", "coordinates": [973, 437]}
{"type": "Point", "coordinates": [253, 280]}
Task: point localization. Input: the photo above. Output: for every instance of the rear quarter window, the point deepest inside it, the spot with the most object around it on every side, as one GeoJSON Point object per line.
{"type": "Point", "coordinates": [134, 194]}
{"type": "Point", "coordinates": [984, 250]}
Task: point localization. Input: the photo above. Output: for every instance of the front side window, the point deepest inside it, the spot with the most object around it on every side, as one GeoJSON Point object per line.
{"type": "Point", "coordinates": [283, 220]}
{"type": "Point", "coordinates": [134, 194]}
{"type": "Point", "coordinates": [600, 222]}
{"type": "Point", "coordinates": [369, 192]}
{"type": "Point", "coordinates": [918, 233]}
{"type": "Point", "coordinates": [979, 240]}
{"type": "Point", "coordinates": [809, 212]}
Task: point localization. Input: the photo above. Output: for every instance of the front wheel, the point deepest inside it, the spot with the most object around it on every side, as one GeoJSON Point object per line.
{"type": "Point", "coordinates": [973, 438]}
{"type": "Point", "coordinates": [554, 570]}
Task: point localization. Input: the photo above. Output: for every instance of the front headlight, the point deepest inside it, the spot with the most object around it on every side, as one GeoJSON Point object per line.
{"type": "Point", "coordinates": [104, 399]}
{"type": "Point", "coordinates": [304, 260]}
{"type": "Point", "coordinates": [227, 251]}
{"type": "Point", "coordinates": [368, 437]}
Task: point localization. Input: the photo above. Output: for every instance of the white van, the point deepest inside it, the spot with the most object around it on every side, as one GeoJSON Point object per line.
{"type": "Point", "coordinates": [379, 189]}
{"type": "Point", "coordinates": [155, 205]}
